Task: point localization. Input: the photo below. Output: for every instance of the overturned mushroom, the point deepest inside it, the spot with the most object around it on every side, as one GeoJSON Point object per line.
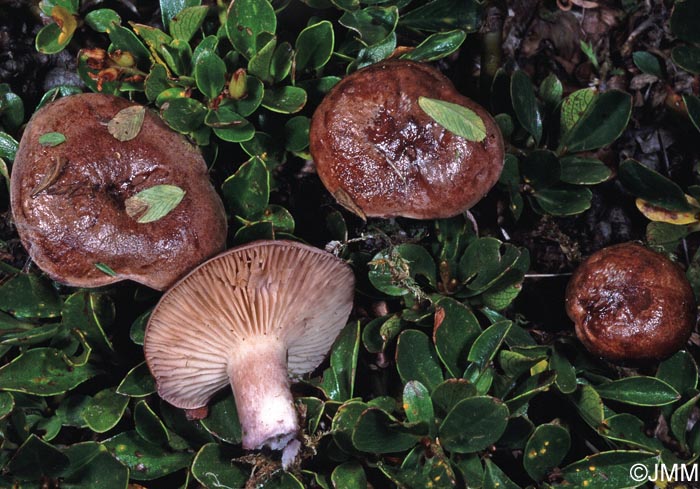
{"type": "Point", "coordinates": [380, 154]}
{"type": "Point", "coordinates": [631, 304]}
{"type": "Point", "coordinates": [251, 317]}
{"type": "Point", "coordinates": [100, 184]}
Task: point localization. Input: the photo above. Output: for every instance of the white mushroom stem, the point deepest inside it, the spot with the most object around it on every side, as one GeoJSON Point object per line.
{"type": "Point", "coordinates": [260, 383]}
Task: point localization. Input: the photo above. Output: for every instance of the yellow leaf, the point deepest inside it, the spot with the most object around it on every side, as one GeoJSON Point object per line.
{"type": "Point", "coordinates": [66, 21]}
{"type": "Point", "coordinates": [660, 214]}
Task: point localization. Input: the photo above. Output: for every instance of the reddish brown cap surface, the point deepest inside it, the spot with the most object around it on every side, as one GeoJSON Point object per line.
{"type": "Point", "coordinates": [631, 304]}
{"type": "Point", "coordinates": [79, 218]}
{"type": "Point", "coordinates": [381, 155]}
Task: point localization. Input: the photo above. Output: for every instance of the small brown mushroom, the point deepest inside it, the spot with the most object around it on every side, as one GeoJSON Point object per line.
{"type": "Point", "coordinates": [631, 304]}
{"type": "Point", "coordinates": [381, 155]}
{"type": "Point", "coordinates": [251, 317]}
{"type": "Point", "coordinates": [70, 199]}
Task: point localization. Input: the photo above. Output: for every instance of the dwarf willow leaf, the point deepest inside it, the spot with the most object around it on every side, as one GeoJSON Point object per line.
{"type": "Point", "coordinates": [455, 118]}
{"type": "Point", "coordinates": [126, 124]}
{"type": "Point", "coordinates": [153, 203]}
{"type": "Point", "coordinates": [51, 139]}
{"type": "Point", "coordinates": [105, 269]}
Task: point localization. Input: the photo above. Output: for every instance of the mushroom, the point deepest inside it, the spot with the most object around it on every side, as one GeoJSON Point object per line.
{"type": "Point", "coordinates": [77, 168]}
{"type": "Point", "coordinates": [632, 304]}
{"type": "Point", "coordinates": [381, 155]}
{"type": "Point", "coordinates": [251, 317]}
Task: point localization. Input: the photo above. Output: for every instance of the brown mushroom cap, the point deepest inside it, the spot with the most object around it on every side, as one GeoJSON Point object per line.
{"type": "Point", "coordinates": [381, 155]}
{"type": "Point", "coordinates": [631, 304]}
{"type": "Point", "coordinates": [79, 219]}
{"type": "Point", "coordinates": [251, 316]}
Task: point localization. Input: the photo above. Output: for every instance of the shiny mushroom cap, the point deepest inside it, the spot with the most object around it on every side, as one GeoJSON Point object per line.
{"type": "Point", "coordinates": [381, 155]}
{"type": "Point", "coordinates": [69, 200]}
{"type": "Point", "coordinates": [631, 304]}
{"type": "Point", "coordinates": [251, 317]}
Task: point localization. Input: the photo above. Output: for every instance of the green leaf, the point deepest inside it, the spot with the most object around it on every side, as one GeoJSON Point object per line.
{"type": "Point", "coordinates": [44, 372]}
{"type": "Point", "coordinates": [474, 424]}
{"type": "Point", "coordinates": [229, 125]}
{"type": "Point", "coordinates": [629, 430]}
{"type": "Point", "coordinates": [563, 200]}
{"type": "Point", "coordinates": [601, 124]}
{"type": "Point", "coordinates": [639, 391]}
{"type": "Point", "coordinates": [339, 381]}
{"type": "Point", "coordinates": [102, 20]}
{"type": "Point", "coordinates": [378, 432]}
{"type": "Point", "coordinates": [653, 187]}
{"type": "Point", "coordinates": [145, 460]}
{"type": "Point", "coordinates": [314, 46]}
{"type": "Point", "coordinates": [394, 270]}
{"type": "Point", "coordinates": [246, 20]}
{"type": "Point", "coordinates": [8, 146]}
{"type": "Point", "coordinates": [186, 23]}
{"type": "Point", "coordinates": [443, 15]}
{"type": "Point", "coordinates": [183, 114]}
{"type": "Point", "coordinates": [210, 74]}
{"type": "Point", "coordinates": [51, 139]}
{"type": "Point", "coordinates": [349, 475]}
{"type": "Point", "coordinates": [687, 57]}
{"type": "Point", "coordinates": [417, 403]}
{"type": "Point", "coordinates": [344, 422]}
{"type": "Point", "coordinates": [222, 421]}
{"type": "Point", "coordinates": [92, 313]}
{"type": "Point", "coordinates": [247, 191]}
{"type": "Point", "coordinates": [260, 63]}
{"type": "Point", "coordinates": [589, 405]}
{"type": "Point", "coordinates": [29, 296]}
{"type": "Point", "coordinates": [527, 111]}
{"type": "Point", "coordinates": [680, 418]}
{"type": "Point", "coordinates": [91, 465]}
{"type": "Point", "coordinates": [692, 105]}
{"type": "Point", "coordinates": [574, 106]}
{"type": "Point", "coordinates": [423, 467]}
{"type": "Point", "coordinates": [149, 425]}
{"type": "Point", "coordinates": [551, 90]}
{"type": "Point", "coordinates": [35, 458]}
{"type": "Point", "coordinates": [170, 8]}
{"type": "Point", "coordinates": [212, 467]}
{"type": "Point", "coordinates": [495, 478]}
{"type": "Point", "coordinates": [683, 18]}
{"type": "Point", "coordinates": [449, 393]}
{"type": "Point", "coordinates": [566, 373]}
{"type": "Point", "coordinates": [455, 118]}
{"type": "Point", "coordinates": [455, 329]}
{"type": "Point", "coordinates": [284, 100]}
{"type": "Point", "coordinates": [416, 359]}
{"type": "Point", "coordinates": [124, 39]}
{"type": "Point", "coordinates": [583, 171]}
{"type": "Point", "coordinates": [50, 39]}
{"type": "Point", "coordinates": [104, 411]}
{"type": "Point", "coordinates": [545, 450]}
{"type": "Point", "coordinates": [138, 382]}
{"type": "Point", "coordinates": [488, 343]}
{"type": "Point", "coordinates": [437, 46]}
{"type": "Point", "coordinates": [373, 24]}
{"type": "Point", "coordinates": [296, 133]}
{"type": "Point", "coordinates": [680, 372]}
{"type": "Point", "coordinates": [607, 470]}
{"type": "Point", "coordinates": [647, 63]}
{"type": "Point", "coordinates": [154, 203]}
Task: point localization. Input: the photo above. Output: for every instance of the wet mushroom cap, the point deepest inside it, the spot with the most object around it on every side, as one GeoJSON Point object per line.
{"type": "Point", "coordinates": [68, 200]}
{"type": "Point", "coordinates": [632, 304]}
{"type": "Point", "coordinates": [381, 155]}
{"type": "Point", "coordinates": [279, 292]}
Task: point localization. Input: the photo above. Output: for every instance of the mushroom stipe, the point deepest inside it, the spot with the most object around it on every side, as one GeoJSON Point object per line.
{"type": "Point", "coordinates": [251, 317]}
